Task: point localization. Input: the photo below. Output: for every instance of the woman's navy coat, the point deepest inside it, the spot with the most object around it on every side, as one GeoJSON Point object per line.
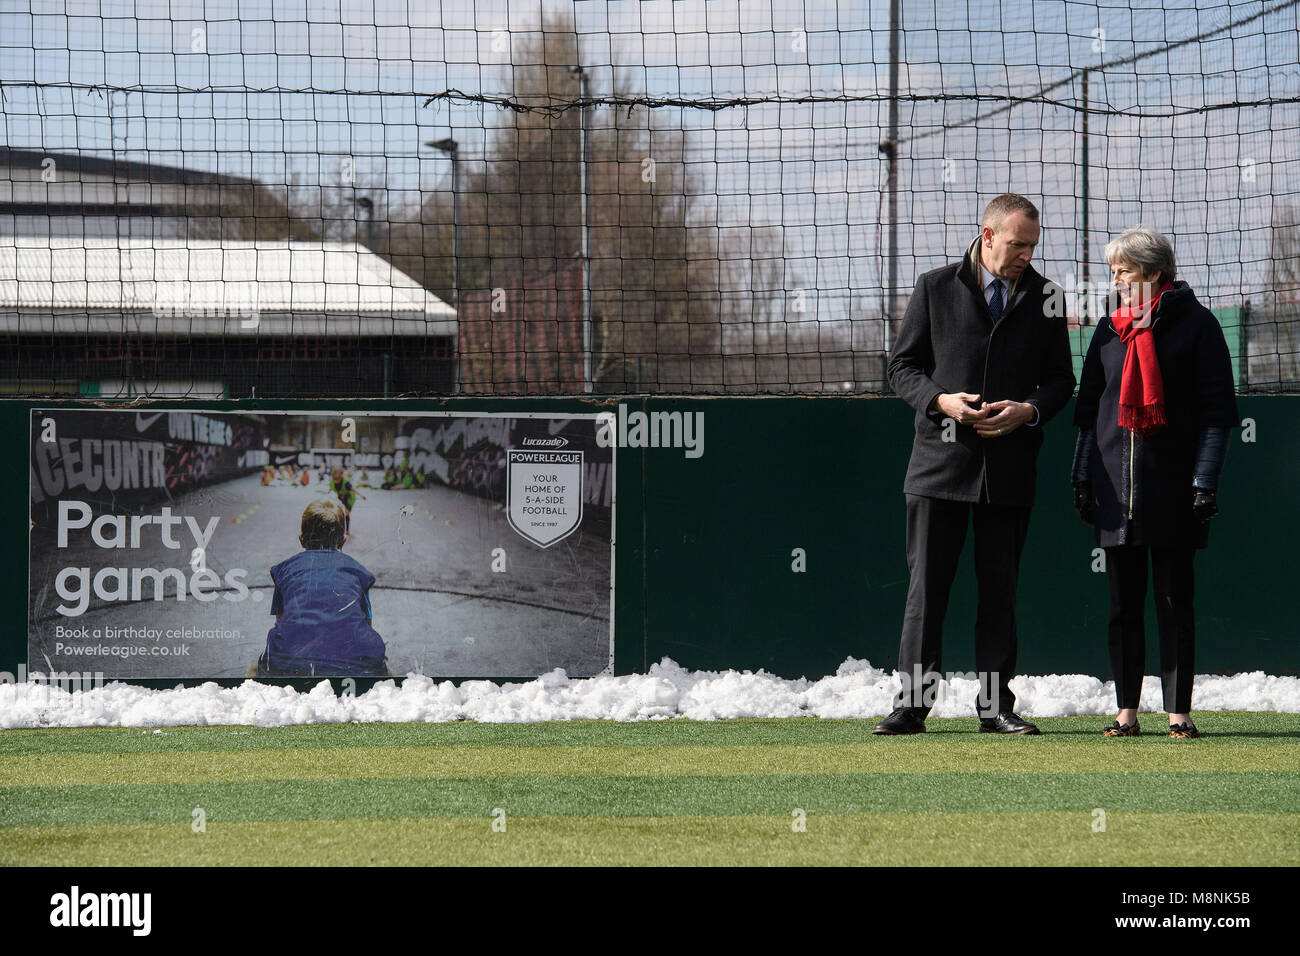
{"type": "Point", "coordinates": [1142, 486]}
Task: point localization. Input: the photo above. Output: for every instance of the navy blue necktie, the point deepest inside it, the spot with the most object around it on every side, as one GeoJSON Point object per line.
{"type": "Point", "coordinates": [995, 303]}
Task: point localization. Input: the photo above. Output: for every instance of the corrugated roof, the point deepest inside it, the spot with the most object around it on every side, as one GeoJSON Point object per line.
{"type": "Point", "coordinates": [200, 286]}
{"type": "Point", "coordinates": [119, 170]}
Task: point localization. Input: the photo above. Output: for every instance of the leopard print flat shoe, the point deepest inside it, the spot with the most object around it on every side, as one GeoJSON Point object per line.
{"type": "Point", "coordinates": [1122, 730]}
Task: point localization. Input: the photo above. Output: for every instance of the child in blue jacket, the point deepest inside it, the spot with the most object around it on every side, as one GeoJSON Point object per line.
{"type": "Point", "coordinates": [322, 607]}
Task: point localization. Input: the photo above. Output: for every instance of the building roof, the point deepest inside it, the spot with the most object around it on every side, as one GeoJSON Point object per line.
{"type": "Point", "coordinates": [183, 286]}
{"type": "Point", "coordinates": [35, 183]}
{"type": "Point", "coordinates": [86, 165]}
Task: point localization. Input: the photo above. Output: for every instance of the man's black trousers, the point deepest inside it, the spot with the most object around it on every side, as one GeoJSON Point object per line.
{"type": "Point", "coordinates": [936, 534]}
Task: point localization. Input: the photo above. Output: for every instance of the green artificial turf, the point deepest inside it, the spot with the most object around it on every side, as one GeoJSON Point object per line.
{"type": "Point", "coordinates": [662, 792]}
{"type": "Point", "coordinates": [1220, 727]}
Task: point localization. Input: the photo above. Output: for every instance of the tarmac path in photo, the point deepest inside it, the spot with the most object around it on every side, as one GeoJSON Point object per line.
{"type": "Point", "coordinates": [439, 605]}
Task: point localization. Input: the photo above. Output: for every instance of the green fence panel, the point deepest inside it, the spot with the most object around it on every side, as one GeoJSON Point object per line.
{"type": "Point", "coordinates": [781, 546]}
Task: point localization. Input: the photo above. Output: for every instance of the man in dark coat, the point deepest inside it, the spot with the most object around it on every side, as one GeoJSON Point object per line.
{"type": "Point", "coordinates": [984, 358]}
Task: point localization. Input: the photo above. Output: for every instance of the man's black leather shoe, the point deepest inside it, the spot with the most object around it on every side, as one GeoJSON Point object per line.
{"type": "Point", "coordinates": [1006, 723]}
{"type": "Point", "coordinates": [904, 720]}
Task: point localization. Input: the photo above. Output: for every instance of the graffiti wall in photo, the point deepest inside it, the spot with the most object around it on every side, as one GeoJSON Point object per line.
{"type": "Point", "coordinates": [472, 454]}
{"type": "Point", "coordinates": [137, 457]}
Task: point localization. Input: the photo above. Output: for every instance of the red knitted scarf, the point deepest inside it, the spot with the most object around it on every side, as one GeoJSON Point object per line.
{"type": "Point", "coordinates": [1141, 389]}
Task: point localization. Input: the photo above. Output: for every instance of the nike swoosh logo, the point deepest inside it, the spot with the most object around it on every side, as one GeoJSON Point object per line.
{"type": "Point", "coordinates": [142, 422]}
{"type": "Point", "coordinates": [555, 429]}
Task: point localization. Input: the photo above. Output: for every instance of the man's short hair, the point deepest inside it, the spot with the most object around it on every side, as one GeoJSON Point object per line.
{"type": "Point", "coordinates": [1003, 206]}
{"type": "Point", "coordinates": [1146, 249]}
{"type": "Point", "coordinates": [323, 525]}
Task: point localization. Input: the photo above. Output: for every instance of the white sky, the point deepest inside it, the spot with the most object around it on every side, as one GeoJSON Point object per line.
{"type": "Point", "coordinates": [281, 90]}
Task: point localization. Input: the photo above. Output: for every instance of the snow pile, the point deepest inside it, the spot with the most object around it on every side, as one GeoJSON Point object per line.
{"type": "Point", "coordinates": [856, 690]}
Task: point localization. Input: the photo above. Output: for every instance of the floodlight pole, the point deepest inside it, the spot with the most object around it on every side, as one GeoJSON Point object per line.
{"type": "Point", "coordinates": [1084, 271]}
{"type": "Point", "coordinates": [890, 149]}
{"type": "Point", "coordinates": [368, 204]}
{"type": "Point", "coordinates": [586, 248]}
{"type": "Point", "coordinates": [449, 147]}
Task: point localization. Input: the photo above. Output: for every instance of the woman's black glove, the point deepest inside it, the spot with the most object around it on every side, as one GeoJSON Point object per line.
{"type": "Point", "coordinates": [1083, 500]}
{"type": "Point", "coordinates": [1211, 448]}
{"type": "Point", "coordinates": [1205, 504]}
{"type": "Point", "coordinates": [1084, 447]}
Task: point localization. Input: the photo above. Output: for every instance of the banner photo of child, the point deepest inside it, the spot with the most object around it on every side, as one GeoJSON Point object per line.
{"type": "Point", "coordinates": [275, 545]}
{"type": "Point", "coordinates": [322, 607]}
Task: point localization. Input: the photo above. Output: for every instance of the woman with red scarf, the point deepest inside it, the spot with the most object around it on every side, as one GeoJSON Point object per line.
{"type": "Point", "coordinates": [1155, 408]}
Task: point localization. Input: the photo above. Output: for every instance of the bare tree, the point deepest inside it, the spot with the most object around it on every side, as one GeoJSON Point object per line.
{"type": "Point", "coordinates": [246, 211]}
{"type": "Point", "coordinates": [673, 309]}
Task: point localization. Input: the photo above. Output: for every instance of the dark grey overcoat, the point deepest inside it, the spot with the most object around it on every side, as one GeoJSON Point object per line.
{"type": "Point", "coordinates": [948, 343]}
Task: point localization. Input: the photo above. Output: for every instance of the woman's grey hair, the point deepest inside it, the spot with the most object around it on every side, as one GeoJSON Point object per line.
{"type": "Point", "coordinates": [1145, 248]}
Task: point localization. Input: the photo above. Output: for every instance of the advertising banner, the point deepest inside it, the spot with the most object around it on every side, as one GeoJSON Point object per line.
{"type": "Point", "coordinates": [210, 545]}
